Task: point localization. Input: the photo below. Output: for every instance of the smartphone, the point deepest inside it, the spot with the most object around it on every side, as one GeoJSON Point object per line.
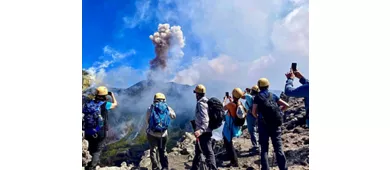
{"type": "Point", "coordinates": [227, 94]}
{"type": "Point", "coordinates": [109, 93]}
{"type": "Point", "coordinates": [294, 66]}
{"type": "Point", "coordinates": [193, 124]}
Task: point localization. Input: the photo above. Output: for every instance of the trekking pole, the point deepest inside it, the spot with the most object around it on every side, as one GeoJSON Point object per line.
{"type": "Point", "coordinates": [197, 141]}
{"type": "Point", "coordinates": [202, 160]}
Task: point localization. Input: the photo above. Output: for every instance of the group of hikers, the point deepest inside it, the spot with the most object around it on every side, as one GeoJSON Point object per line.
{"type": "Point", "coordinates": [262, 110]}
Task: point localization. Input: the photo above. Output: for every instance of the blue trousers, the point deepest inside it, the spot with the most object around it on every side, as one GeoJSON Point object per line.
{"type": "Point", "coordinates": [276, 138]}
{"type": "Point", "coordinates": [251, 123]}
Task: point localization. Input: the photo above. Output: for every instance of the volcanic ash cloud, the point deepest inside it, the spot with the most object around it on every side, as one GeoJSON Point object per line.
{"type": "Point", "coordinates": [166, 39]}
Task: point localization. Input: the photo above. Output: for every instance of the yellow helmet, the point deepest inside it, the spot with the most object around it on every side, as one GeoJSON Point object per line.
{"type": "Point", "coordinates": [263, 82]}
{"type": "Point", "coordinates": [237, 93]}
{"type": "Point", "coordinates": [102, 91]}
{"type": "Point", "coordinates": [200, 88]}
{"type": "Point", "coordinates": [159, 96]}
{"type": "Point", "coordinates": [255, 88]}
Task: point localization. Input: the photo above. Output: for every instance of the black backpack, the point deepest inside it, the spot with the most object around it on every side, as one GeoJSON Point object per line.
{"type": "Point", "coordinates": [216, 113]}
{"type": "Point", "coordinates": [270, 111]}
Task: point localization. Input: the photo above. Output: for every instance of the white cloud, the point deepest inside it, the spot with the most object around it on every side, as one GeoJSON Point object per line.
{"type": "Point", "coordinates": [141, 15]}
{"type": "Point", "coordinates": [116, 55]}
{"type": "Point", "coordinates": [222, 68]}
{"type": "Point", "coordinates": [243, 31]}
{"type": "Point", "coordinates": [291, 35]}
{"type": "Point", "coordinates": [123, 75]}
{"type": "Point", "coordinates": [253, 38]}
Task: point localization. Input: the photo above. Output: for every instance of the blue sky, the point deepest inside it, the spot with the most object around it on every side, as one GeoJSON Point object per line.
{"type": "Point", "coordinates": [250, 39]}
{"type": "Point", "coordinates": [103, 25]}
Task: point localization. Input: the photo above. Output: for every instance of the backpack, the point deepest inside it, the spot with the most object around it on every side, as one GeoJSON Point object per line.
{"type": "Point", "coordinates": [159, 119]}
{"type": "Point", "coordinates": [239, 120]}
{"type": "Point", "coordinates": [215, 112]}
{"type": "Point", "coordinates": [93, 121]}
{"type": "Point", "coordinates": [270, 111]}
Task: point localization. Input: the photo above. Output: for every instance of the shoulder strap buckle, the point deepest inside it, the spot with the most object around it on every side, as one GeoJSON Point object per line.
{"type": "Point", "coordinates": [95, 135]}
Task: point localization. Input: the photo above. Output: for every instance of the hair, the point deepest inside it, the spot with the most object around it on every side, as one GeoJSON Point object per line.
{"type": "Point", "coordinates": [235, 100]}
{"type": "Point", "coordinates": [263, 88]}
{"type": "Point", "coordinates": [200, 95]}
{"type": "Point", "coordinates": [253, 92]}
{"type": "Point", "coordinates": [159, 100]}
{"type": "Point", "coordinates": [101, 97]}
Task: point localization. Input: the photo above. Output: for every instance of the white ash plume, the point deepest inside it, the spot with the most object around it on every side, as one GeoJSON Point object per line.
{"type": "Point", "coordinates": [166, 39]}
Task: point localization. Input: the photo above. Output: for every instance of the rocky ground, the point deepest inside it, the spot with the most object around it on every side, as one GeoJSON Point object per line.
{"type": "Point", "coordinates": [295, 140]}
{"type": "Point", "coordinates": [296, 147]}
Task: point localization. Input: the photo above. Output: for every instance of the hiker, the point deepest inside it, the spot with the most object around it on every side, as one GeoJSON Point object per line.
{"type": "Point", "coordinates": [266, 110]}
{"type": "Point", "coordinates": [202, 132]}
{"type": "Point", "coordinates": [250, 119]}
{"type": "Point", "coordinates": [158, 118]}
{"type": "Point", "coordinates": [301, 91]}
{"type": "Point", "coordinates": [231, 128]}
{"type": "Point", "coordinates": [95, 123]}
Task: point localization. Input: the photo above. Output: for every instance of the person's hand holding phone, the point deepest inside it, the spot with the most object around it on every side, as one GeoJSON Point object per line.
{"type": "Point", "coordinates": [298, 74]}
{"type": "Point", "coordinates": [290, 75]}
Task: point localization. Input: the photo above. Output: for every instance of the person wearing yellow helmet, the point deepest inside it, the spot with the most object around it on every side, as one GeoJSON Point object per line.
{"type": "Point", "coordinates": [250, 119]}
{"type": "Point", "coordinates": [230, 128]}
{"type": "Point", "coordinates": [266, 109]}
{"type": "Point", "coordinates": [202, 131]}
{"type": "Point", "coordinates": [158, 118]}
{"type": "Point", "coordinates": [95, 123]}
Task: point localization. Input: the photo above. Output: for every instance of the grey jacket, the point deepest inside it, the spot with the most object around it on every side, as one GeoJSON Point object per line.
{"type": "Point", "coordinates": [201, 115]}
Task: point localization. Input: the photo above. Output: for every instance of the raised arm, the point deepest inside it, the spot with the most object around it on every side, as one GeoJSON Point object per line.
{"type": "Point", "coordinates": [225, 106]}
{"type": "Point", "coordinates": [301, 91]}
{"type": "Point", "coordinates": [114, 102]}
{"type": "Point", "coordinates": [172, 113]}
{"type": "Point", "coordinates": [303, 80]}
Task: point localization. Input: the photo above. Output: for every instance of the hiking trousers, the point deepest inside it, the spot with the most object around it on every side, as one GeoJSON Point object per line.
{"type": "Point", "coordinates": [204, 146]}
{"type": "Point", "coordinates": [251, 124]}
{"type": "Point", "coordinates": [95, 148]}
{"type": "Point", "coordinates": [276, 138]}
{"type": "Point", "coordinates": [230, 151]}
{"type": "Point", "coordinates": [159, 144]}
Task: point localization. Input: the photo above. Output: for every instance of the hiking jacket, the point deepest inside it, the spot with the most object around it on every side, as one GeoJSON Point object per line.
{"type": "Point", "coordinates": [229, 129]}
{"type": "Point", "coordinates": [172, 114]}
{"type": "Point", "coordinates": [301, 91]}
{"type": "Point", "coordinates": [201, 115]}
{"type": "Point", "coordinates": [249, 100]}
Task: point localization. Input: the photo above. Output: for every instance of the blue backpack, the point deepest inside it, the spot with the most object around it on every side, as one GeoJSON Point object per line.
{"type": "Point", "coordinates": [92, 120]}
{"type": "Point", "coordinates": [159, 119]}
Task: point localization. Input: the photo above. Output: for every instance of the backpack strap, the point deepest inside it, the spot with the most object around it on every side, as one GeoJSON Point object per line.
{"type": "Point", "coordinates": [271, 96]}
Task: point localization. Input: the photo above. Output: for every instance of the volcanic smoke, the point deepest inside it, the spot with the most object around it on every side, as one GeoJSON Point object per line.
{"type": "Point", "coordinates": [165, 39]}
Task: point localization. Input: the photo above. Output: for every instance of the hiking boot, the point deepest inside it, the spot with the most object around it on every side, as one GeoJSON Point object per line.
{"type": "Point", "coordinates": [253, 149]}
{"type": "Point", "coordinates": [234, 164]}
